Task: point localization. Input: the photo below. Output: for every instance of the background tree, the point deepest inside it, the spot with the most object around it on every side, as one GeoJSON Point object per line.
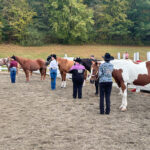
{"type": "Point", "coordinates": [111, 20]}
{"type": "Point", "coordinates": [16, 17]}
{"type": "Point", "coordinates": [70, 21]}
{"type": "Point", "coordinates": [140, 15]}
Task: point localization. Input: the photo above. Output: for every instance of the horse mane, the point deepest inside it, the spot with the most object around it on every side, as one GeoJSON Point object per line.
{"type": "Point", "coordinates": [87, 62]}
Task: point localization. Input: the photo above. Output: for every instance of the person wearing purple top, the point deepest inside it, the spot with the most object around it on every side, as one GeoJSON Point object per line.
{"type": "Point", "coordinates": [77, 78]}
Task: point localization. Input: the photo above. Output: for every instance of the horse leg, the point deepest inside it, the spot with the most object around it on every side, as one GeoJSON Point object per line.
{"type": "Point", "coordinates": [96, 86]}
{"type": "Point", "coordinates": [85, 76]}
{"type": "Point", "coordinates": [27, 75]}
{"type": "Point", "coordinates": [64, 79]}
{"type": "Point", "coordinates": [124, 88]}
{"type": "Point", "coordinates": [30, 73]}
{"type": "Point", "coordinates": [61, 72]}
{"type": "Point", "coordinates": [44, 73]}
{"type": "Point", "coordinates": [120, 93]}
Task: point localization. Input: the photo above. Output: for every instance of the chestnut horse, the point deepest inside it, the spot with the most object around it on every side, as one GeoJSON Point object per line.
{"type": "Point", "coordinates": [64, 67]}
{"type": "Point", "coordinates": [29, 65]}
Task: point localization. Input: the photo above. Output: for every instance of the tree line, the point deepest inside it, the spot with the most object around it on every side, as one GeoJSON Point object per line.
{"type": "Point", "coordinates": [39, 22]}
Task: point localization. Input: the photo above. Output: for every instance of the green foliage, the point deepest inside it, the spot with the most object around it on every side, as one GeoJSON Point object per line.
{"type": "Point", "coordinates": [17, 16]}
{"type": "Point", "coordinates": [32, 37]}
{"type": "Point", "coordinates": [38, 22]}
{"type": "Point", "coordinates": [111, 20]}
{"type": "Point", "coordinates": [70, 20]}
{"type": "Point", "coordinates": [140, 15]}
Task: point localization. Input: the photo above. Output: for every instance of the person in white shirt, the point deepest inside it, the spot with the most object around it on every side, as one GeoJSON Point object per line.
{"type": "Point", "coordinates": [53, 71]}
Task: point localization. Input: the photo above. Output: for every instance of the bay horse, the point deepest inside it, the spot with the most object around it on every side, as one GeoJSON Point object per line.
{"type": "Point", "coordinates": [29, 65]}
{"type": "Point", "coordinates": [126, 72]}
{"type": "Point", "coordinates": [65, 65]}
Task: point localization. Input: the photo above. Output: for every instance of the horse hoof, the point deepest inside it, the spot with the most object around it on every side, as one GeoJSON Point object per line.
{"type": "Point", "coordinates": [123, 109]}
{"type": "Point", "coordinates": [120, 107]}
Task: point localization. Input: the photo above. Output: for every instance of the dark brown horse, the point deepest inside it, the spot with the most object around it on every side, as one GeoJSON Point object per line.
{"type": "Point", "coordinates": [29, 65]}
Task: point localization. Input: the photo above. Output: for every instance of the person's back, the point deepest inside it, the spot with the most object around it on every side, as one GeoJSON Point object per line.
{"type": "Point", "coordinates": [13, 63]}
{"type": "Point", "coordinates": [105, 72]}
{"type": "Point", "coordinates": [77, 72]}
{"type": "Point", "coordinates": [105, 79]}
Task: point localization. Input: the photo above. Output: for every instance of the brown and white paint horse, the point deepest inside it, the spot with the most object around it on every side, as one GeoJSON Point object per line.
{"type": "Point", "coordinates": [127, 72]}
{"type": "Point", "coordinates": [29, 65]}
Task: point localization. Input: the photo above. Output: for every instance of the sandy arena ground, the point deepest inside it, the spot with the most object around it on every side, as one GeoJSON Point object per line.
{"type": "Point", "coordinates": [32, 117]}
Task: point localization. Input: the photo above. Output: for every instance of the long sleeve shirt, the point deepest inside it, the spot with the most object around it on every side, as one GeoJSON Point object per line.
{"type": "Point", "coordinates": [53, 64]}
{"type": "Point", "coordinates": [105, 72]}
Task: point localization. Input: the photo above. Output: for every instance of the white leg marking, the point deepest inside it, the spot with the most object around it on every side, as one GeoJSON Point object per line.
{"type": "Point", "coordinates": [123, 106]}
{"type": "Point", "coordinates": [62, 84]}
{"type": "Point", "coordinates": [120, 93]}
{"type": "Point", "coordinates": [84, 83]}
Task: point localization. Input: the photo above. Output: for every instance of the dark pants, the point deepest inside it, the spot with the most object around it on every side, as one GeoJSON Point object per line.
{"type": "Point", "coordinates": [53, 74]}
{"type": "Point", "coordinates": [13, 71]}
{"type": "Point", "coordinates": [96, 86]}
{"type": "Point", "coordinates": [105, 91]}
{"type": "Point", "coordinates": [77, 88]}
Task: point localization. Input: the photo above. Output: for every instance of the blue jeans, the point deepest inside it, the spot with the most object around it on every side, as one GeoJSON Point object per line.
{"type": "Point", "coordinates": [53, 75]}
{"type": "Point", "coordinates": [13, 71]}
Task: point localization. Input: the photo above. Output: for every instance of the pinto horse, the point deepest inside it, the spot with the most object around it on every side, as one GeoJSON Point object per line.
{"type": "Point", "coordinates": [126, 72]}
{"type": "Point", "coordinates": [4, 61]}
{"type": "Point", "coordinates": [65, 65]}
{"type": "Point", "coordinates": [29, 65]}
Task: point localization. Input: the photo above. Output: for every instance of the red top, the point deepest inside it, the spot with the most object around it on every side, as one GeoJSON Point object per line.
{"type": "Point", "coordinates": [13, 63]}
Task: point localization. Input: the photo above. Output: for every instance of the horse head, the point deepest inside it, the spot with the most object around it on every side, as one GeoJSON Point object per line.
{"type": "Point", "coordinates": [94, 71]}
{"type": "Point", "coordinates": [48, 60]}
{"type": "Point", "coordinates": [13, 57]}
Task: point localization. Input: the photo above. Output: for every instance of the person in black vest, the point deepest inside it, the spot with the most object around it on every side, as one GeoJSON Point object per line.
{"type": "Point", "coordinates": [77, 71]}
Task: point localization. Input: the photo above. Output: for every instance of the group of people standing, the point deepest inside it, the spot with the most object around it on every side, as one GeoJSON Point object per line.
{"type": "Point", "coordinates": [77, 71]}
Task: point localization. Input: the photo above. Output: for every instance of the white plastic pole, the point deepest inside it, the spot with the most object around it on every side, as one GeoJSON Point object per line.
{"type": "Point", "coordinates": [118, 55]}
{"type": "Point", "coordinates": [148, 56]}
{"type": "Point", "coordinates": [134, 56]}
{"type": "Point", "coordinates": [123, 56]}
{"type": "Point", "coordinates": [138, 56]}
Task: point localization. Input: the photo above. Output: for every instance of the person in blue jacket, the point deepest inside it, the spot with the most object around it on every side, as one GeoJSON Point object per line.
{"type": "Point", "coordinates": [105, 80]}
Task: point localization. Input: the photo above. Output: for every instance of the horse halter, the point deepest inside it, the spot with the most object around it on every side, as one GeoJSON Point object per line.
{"type": "Point", "coordinates": [95, 75]}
